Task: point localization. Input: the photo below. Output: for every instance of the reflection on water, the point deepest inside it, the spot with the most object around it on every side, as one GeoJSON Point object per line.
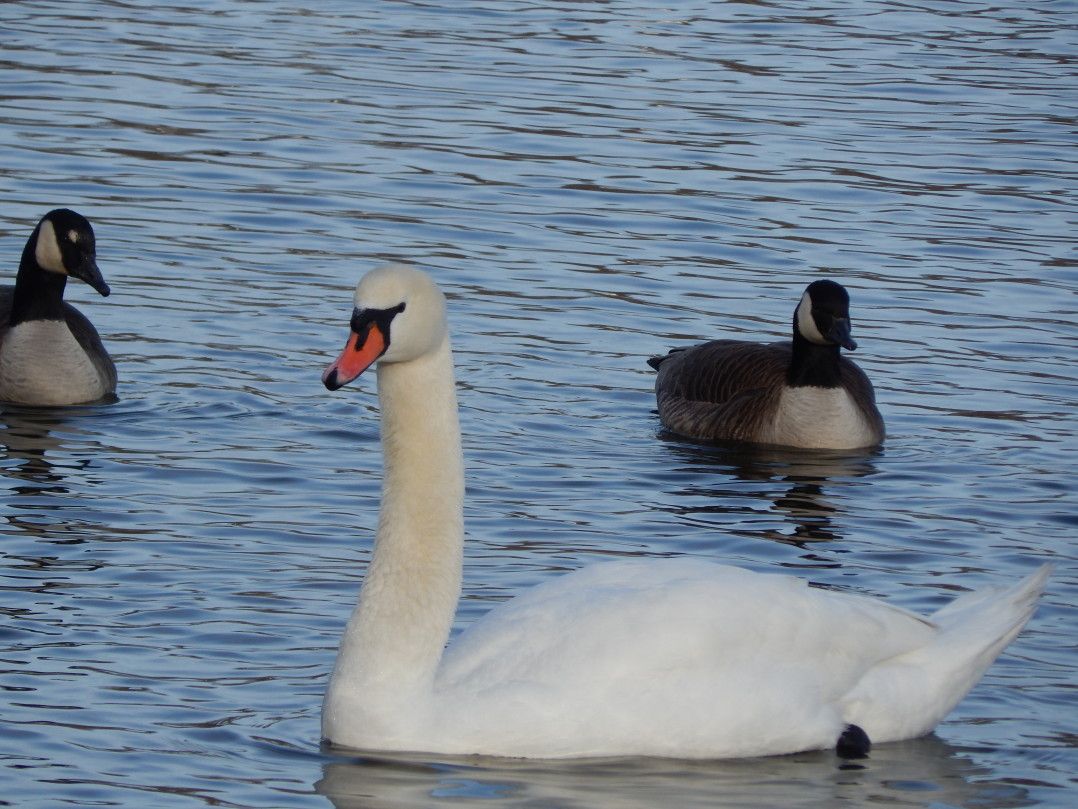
{"type": "Point", "coordinates": [801, 494]}
{"type": "Point", "coordinates": [37, 468]}
{"type": "Point", "coordinates": [25, 439]}
{"type": "Point", "coordinates": [591, 183]}
{"type": "Point", "coordinates": [904, 774]}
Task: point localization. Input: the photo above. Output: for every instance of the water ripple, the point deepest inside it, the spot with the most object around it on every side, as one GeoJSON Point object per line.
{"type": "Point", "coordinates": [592, 183]}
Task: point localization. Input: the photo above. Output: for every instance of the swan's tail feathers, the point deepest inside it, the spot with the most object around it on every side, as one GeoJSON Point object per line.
{"type": "Point", "coordinates": [909, 695]}
{"type": "Point", "coordinates": [1000, 610]}
{"type": "Point", "coordinates": [977, 626]}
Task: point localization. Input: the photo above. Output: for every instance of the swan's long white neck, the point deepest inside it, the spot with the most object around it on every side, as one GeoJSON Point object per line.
{"type": "Point", "coordinates": [394, 639]}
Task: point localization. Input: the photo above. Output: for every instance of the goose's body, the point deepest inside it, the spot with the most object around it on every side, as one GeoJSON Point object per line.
{"type": "Point", "coordinates": [50, 353]}
{"type": "Point", "coordinates": [644, 657]}
{"type": "Point", "coordinates": [800, 393]}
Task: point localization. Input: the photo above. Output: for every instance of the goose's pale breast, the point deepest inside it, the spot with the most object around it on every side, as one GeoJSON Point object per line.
{"type": "Point", "coordinates": [819, 418]}
{"type": "Point", "coordinates": [41, 362]}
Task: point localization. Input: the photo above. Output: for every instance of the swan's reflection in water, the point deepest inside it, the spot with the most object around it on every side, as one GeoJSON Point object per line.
{"type": "Point", "coordinates": [918, 773]}
{"type": "Point", "coordinates": [800, 486]}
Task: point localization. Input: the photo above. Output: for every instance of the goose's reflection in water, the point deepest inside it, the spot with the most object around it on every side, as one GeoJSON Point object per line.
{"type": "Point", "coordinates": [46, 465]}
{"type": "Point", "coordinates": [918, 773]}
{"type": "Point", "coordinates": [26, 439]}
{"type": "Point", "coordinates": [800, 486]}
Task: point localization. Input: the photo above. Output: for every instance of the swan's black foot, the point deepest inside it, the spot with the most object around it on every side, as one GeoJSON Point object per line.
{"type": "Point", "coordinates": [853, 743]}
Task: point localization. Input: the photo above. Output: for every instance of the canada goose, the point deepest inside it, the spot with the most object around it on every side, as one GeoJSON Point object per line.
{"type": "Point", "coordinates": [660, 657]}
{"type": "Point", "coordinates": [802, 393]}
{"type": "Point", "coordinates": [50, 353]}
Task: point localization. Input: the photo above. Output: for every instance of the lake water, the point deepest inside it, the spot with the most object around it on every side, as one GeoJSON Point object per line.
{"type": "Point", "coordinates": [592, 183]}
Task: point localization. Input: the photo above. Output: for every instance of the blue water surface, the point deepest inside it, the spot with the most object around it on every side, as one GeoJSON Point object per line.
{"type": "Point", "coordinates": [591, 183]}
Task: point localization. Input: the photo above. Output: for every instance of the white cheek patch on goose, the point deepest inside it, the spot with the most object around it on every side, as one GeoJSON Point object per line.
{"type": "Point", "coordinates": [806, 325]}
{"type": "Point", "coordinates": [47, 250]}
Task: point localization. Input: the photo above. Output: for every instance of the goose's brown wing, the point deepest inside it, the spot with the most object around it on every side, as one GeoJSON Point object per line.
{"type": "Point", "coordinates": [7, 294]}
{"type": "Point", "coordinates": [856, 382]}
{"type": "Point", "coordinates": [86, 335]}
{"type": "Point", "coordinates": [723, 389]}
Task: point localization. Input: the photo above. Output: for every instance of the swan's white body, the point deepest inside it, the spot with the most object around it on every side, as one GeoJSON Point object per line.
{"type": "Point", "coordinates": [675, 657]}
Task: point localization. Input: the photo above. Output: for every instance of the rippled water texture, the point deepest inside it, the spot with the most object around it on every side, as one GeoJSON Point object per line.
{"type": "Point", "coordinates": [592, 183]}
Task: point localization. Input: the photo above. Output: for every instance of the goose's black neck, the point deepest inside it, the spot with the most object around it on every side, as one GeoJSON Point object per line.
{"type": "Point", "coordinates": [39, 294]}
{"type": "Point", "coordinates": [813, 364]}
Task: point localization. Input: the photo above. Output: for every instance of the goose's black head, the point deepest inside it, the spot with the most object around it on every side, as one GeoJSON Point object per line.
{"type": "Point", "coordinates": [63, 243]}
{"type": "Point", "coordinates": [822, 316]}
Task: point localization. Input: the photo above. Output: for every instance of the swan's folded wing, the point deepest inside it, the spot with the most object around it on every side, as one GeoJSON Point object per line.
{"type": "Point", "coordinates": [642, 619]}
{"type": "Point", "coordinates": [666, 657]}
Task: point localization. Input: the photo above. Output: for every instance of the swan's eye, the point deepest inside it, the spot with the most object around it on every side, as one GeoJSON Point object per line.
{"type": "Point", "coordinates": [363, 318]}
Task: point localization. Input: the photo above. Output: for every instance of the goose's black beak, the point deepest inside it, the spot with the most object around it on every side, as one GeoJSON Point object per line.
{"type": "Point", "coordinates": [840, 333]}
{"type": "Point", "coordinates": [87, 271]}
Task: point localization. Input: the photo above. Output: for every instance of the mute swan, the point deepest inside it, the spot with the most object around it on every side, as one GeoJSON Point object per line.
{"type": "Point", "coordinates": [678, 658]}
{"type": "Point", "coordinates": [50, 354]}
{"type": "Point", "coordinates": [801, 393]}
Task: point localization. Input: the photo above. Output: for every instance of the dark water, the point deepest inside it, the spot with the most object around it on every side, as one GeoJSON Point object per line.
{"type": "Point", "coordinates": [592, 183]}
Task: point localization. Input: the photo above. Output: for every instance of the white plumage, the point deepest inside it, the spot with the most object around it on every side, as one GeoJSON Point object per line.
{"type": "Point", "coordinates": [676, 657]}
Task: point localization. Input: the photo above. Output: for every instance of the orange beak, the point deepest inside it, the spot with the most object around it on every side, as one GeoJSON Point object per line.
{"type": "Point", "coordinates": [359, 354]}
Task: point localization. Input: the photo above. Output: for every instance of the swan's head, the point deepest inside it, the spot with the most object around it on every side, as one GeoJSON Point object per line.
{"type": "Point", "coordinates": [823, 315]}
{"type": "Point", "coordinates": [399, 315]}
{"type": "Point", "coordinates": [63, 243]}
